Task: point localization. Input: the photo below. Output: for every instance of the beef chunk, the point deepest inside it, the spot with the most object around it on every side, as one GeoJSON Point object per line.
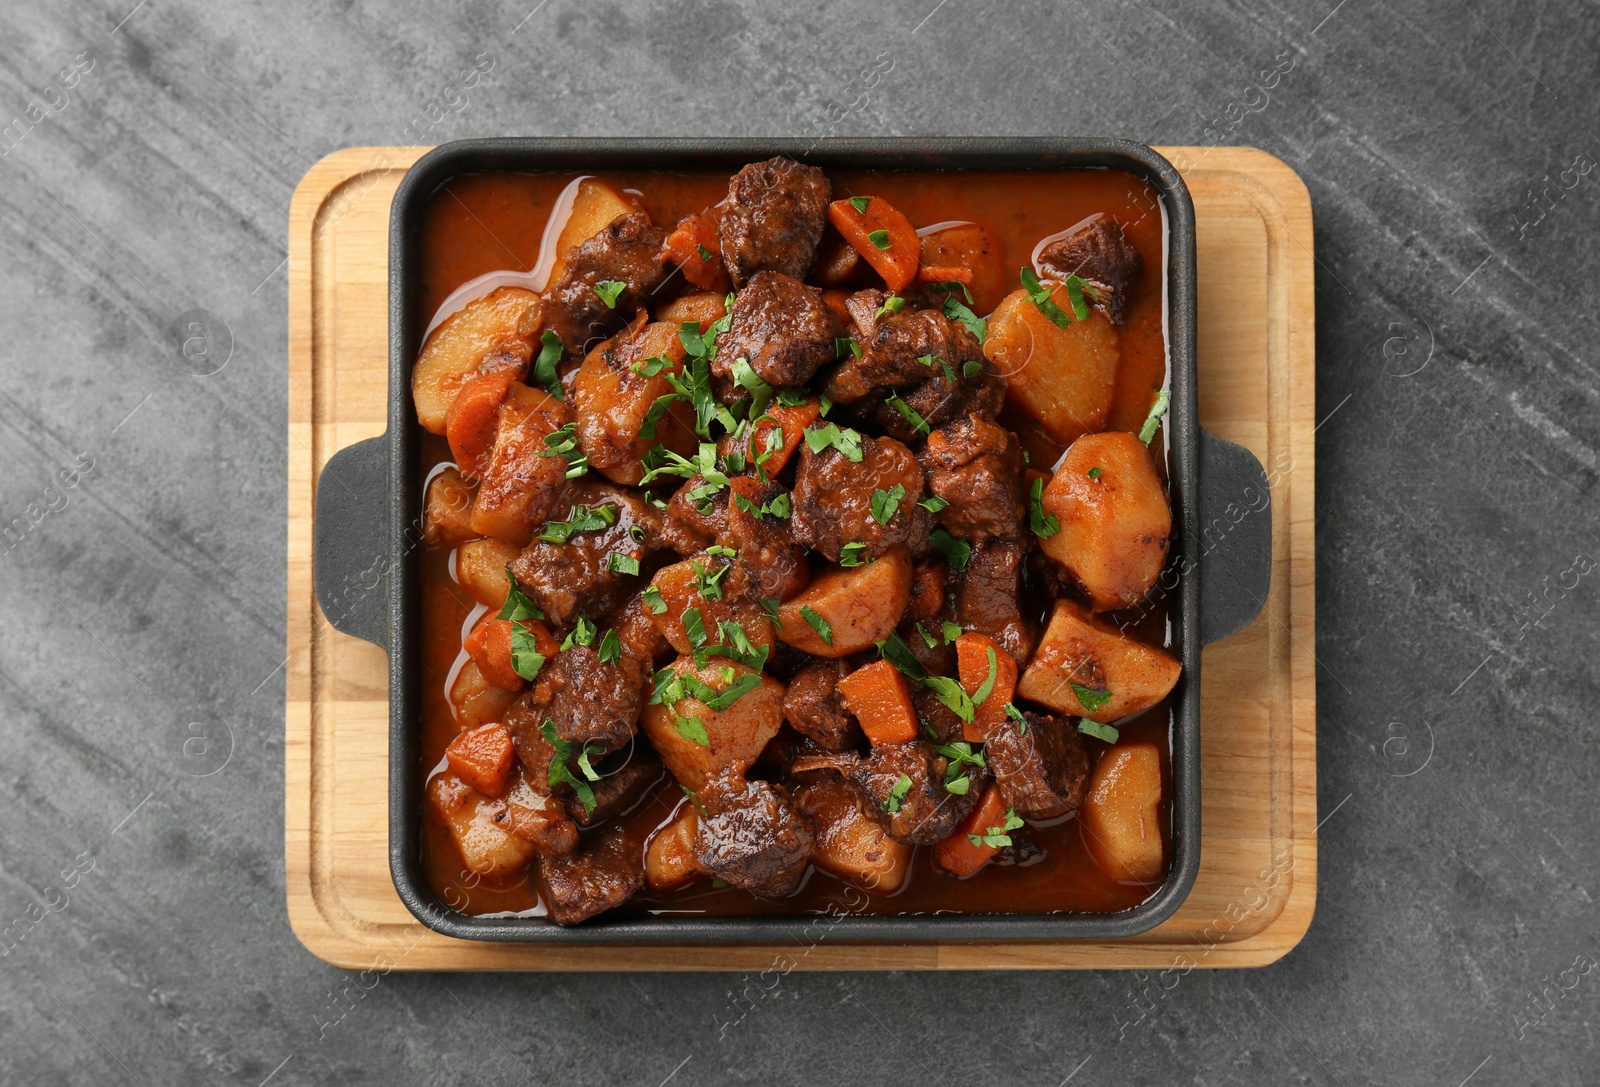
{"type": "Point", "coordinates": [813, 707]}
{"type": "Point", "coordinates": [626, 251]}
{"type": "Point", "coordinates": [692, 526]}
{"type": "Point", "coordinates": [534, 752]}
{"type": "Point", "coordinates": [935, 720]}
{"type": "Point", "coordinates": [619, 788]}
{"type": "Point", "coordinates": [1100, 253]}
{"type": "Point", "coordinates": [548, 827]}
{"type": "Point", "coordinates": [939, 400]}
{"type": "Point", "coordinates": [749, 835]}
{"type": "Point", "coordinates": [782, 328]}
{"type": "Point", "coordinates": [976, 467]}
{"type": "Point", "coordinates": [926, 813]}
{"type": "Point", "coordinates": [589, 700]}
{"type": "Point", "coordinates": [770, 564]}
{"type": "Point", "coordinates": [566, 579]}
{"type": "Point", "coordinates": [605, 874]}
{"type": "Point", "coordinates": [987, 597]}
{"type": "Point", "coordinates": [1042, 770]}
{"type": "Point", "coordinates": [891, 346]}
{"type": "Point", "coordinates": [772, 218]}
{"type": "Point", "coordinates": [833, 498]}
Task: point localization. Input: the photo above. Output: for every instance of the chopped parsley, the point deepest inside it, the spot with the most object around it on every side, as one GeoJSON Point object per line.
{"type": "Point", "coordinates": [933, 504]}
{"type": "Point", "coordinates": [1095, 473]}
{"type": "Point", "coordinates": [583, 632]}
{"type": "Point", "coordinates": [927, 639]}
{"type": "Point", "coordinates": [610, 647]}
{"type": "Point", "coordinates": [694, 627]}
{"type": "Point", "coordinates": [1039, 295]}
{"type": "Point", "coordinates": [544, 367]}
{"type": "Point", "coordinates": [845, 345]}
{"type": "Point", "coordinates": [653, 600]}
{"type": "Point", "coordinates": [1107, 733]}
{"type": "Point", "coordinates": [561, 772]}
{"type": "Point", "coordinates": [692, 729]}
{"type": "Point", "coordinates": [886, 503]}
{"type": "Point", "coordinates": [957, 552]}
{"type": "Point", "coordinates": [1090, 699]}
{"type": "Point", "coordinates": [1016, 715]}
{"type": "Point", "coordinates": [760, 392]}
{"type": "Point", "coordinates": [781, 506]}
{"type": "Point", "coordinates": [823, 628]}
{"type": "Point", "coordinates": [517, 605]}
{"type": "Point", "coordinates": [652, 366]}
{"type": "Point", "coordinates": [951, 286]}
{"type": "Point", "coordinates": [860, 203]}
{"type": "Point", "coordinates": [932, 360]}
{"type": "Point", "coordinates": [954, 310]}
{"type": "Point", "coordinates": [971, 368]}
{"type": "Point", "coordinates": [579, 519]}
{"type": "Point", "coordinates": [879, 239]}
{"type": "Point", "coordinates": [897, 794]}
{"type": "Point", "coordinates": [908, 413]}
{"type": "Point", "coordinates": [951, 632]}
{"type": "Point", "coordinates": [954, 697]}
{"type": "Point", "coordinates": [620, 563]}
{"type": "Point", "coordinates": [891, 305]}
{"type": "Point", "coordinates": [958, 755]}
{"type": "Point", "coordinates": [609, 291]}
{"type": "Point", "coordinates": [563, 443]}
{"type": "Point", "coordinates": [526, 660]}
{"type": "Point", "coordinates": [735, 645]}
{"type": "Point", "coordinates": [709, 582]}
{"type": "Point", "coordinates": [998, 837]}
{"type": "Point", "coordinates": [845, 440]}
{"type": "Point", "coordinates": [985, 689]}
{"type": "Point", "coordinates": [895, 650]}
{"type": "Point", "coordinates": [771, 608]}
{"type": "Point", "coordinates": [705, 254]}
{"type": "Point", "coordinates": [851, 554]}
{"type": "Point", "coordinates": [1044, 525]}
{"type": "Point", "coordinates": [1153, 420]}
{"type": "Point", "coordinates": [1075, 291]}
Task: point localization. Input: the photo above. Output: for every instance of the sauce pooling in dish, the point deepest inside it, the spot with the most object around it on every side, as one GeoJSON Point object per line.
{"type": "Point", "coordinates": [777, 546]}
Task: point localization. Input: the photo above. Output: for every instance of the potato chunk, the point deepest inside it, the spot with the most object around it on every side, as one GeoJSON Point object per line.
{"type": "Point", "coordinates": [499, 327]}
{"type": "Point", "coordinates": [469, 817]}
{"type": "Point", "coordinates": [855, 605]}
{"type": "Point", "coordinates": [679, 585]}
{"type": "Point", "coordinates": [1080, 652]}
{"type": "Point", "coordinates": [475, 701]}
{"type": "Point", "coordinates": [669, 860]}
{"type": "Point", "coordinates": [446, 509]}
{"type": "Point", "coordinates": [1121, 815]}
{"type": "Point", "coordinates": [523, 482]}
{"type": "Point", "coordinates": [1061, 378]}
{"type": "Point", "coordinates": [1115, 521]}
{"type": "Point", "coordinates": [849, 843]}
{"type": "Point", "coordinates": [613, 400]}
{"type": "Point", "coordinates": [481, 569]}
{"type": "Point", "coordinates": [735, 734]}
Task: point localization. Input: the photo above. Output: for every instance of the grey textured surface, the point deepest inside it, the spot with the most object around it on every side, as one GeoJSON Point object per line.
{"type": "Point", "coordinates": [1456, 531]}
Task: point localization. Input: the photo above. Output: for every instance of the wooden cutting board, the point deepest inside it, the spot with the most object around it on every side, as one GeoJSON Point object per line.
{"type": "Point", "coordinates": [1256, 889]}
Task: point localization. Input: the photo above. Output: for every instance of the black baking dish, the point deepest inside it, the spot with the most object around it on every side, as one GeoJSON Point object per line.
{"type": "Point", "coordinates": [367, 527]}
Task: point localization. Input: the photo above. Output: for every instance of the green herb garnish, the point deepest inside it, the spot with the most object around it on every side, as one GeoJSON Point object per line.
{"type": "Point", "coordinates": [1100, 732]}
{"type": "Point", "coordinates": [957, 552]}
{"type": "Point", "coordinates": [908, 413]}
{"type": "Point", "coordinates": [1039, 295]}
{"type": "Point", "coordinates": [1095, 473]}
{"type": "Point", "coordinates": [609, 291]}
{"type": "Point", "coordinates": [933, 504]}
{"type": "Point", "coordinates": [897, 794]}
{"type": "Point", "coordinates": [998, 837]}
{"type": "Point", "coordinates": [544, 367]}
{"type": "Point", "coordinates": [886, 503]}
{"type": "Point", "coordinates": [1044, 525]}
{"type": "Point", "coordinates": [860, 203]}
{"type": "Point", "coordinates": [1153, 420]}
{"type": "Point", "coordinates": [879, 239]}
{"type": "Point", "coordinates": [610, 650]}
{"type": "Point", "coordinates": [1090, 699]}
{"type": "Point", "coordinates": [579, 519]}
{"type": "Point", "coordinates": [823, 628]}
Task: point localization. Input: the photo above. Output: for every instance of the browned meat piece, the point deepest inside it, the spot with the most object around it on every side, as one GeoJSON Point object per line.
{"type": "Point", "coordinates": [1042, 770]}
{"type": "Point", "coordinates": [608, 872]}
{"type": "Point", "coordinates": [589, 700]}
{"type": "Point", "coordinates": [770, 564]}
{"type": "Point", "coordinates": [935, 720]}
{"type": "Point", "coordinates": [812, 763]}
{"type": "Point", "coordinates": [638, 633]}
{"type": "Point", "coordinates": [572, 578]}
{"type": "Point", "coordinates": [782, 328]}
{"type": "Point", "coordinates": [929, 579]}
{"type": "Point", "coordinates": [833, 498]}
{"type": "Point", "coordinates": [627, 251]}
{"type": "Point", "coordinates": [976, 467]}
{"type": "Point", "coordinates": [694, 525]}
{"type": "Point", "coordinates": [619, 790]}
{"type": "Point", "coordinates": [813, 707]}
{"type": "Point", "coordinates": [939, 401]}
{"type": "Point", "coordinates": [1101, 254]}
{"type": "Point", "coordinates": [549, 829]}
{"type": "Point", "coordinates": [925, 813]}
{"type": "Point", "coordinates": [750, 836]}
{"type": "Point", "coordinates": [772, 218]}
{"type": "Point", "coordinates": [891, 347]}
{"type": "Point", "coordinates": [987, 597]}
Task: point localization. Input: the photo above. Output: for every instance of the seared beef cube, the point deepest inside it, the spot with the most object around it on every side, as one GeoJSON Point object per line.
{"type": "Point", "coordinates": [575, 577]}
{"type": "Point", "coordinates": [782, 328]}
{"type": "Point", "coordinates": [812, 706]}
{"type": "Point", "coordinates": [772, 218]}
{"type": "Point", "coordinates": [1042, 770]}
{"type": "Point", "coordinates": [620, 788]}
{"type": "Point", "coordinates": [750, 836]}
{"type": "Point", "coordinates": [692, 525]}
{"type": "Point", "coordinates": [939, 401]}
{"type": "Point", "coordinates": [833, 498]}
{"type": "Point", "coordinates": [935, 720]}
{"type": "Point", "coordinates": [987, 597]}
{"type": "Point", "coordinates": [770, 564]}
{"type": "Point", "coordinates": [976, 467]}
{"type": "Point", "coordinates": [534, 752]}
{"type": "Point", "coordinates": [628, 251]}
{"type": "Point", "coordinates": [925, 812]}
{"type": "Point", "coordinates": [591, 700]}
{"type": "Point", "coordinates": [893, 345]}
{"type": "Point", "coordinates": [605, 874]}
{"type": "Point", "coordinates": [1101, 254]}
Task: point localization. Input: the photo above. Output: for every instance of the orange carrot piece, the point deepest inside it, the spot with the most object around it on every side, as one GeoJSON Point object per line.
{"type": "Point", "coordinates": [792, 422]}
{"type": "Point", "coordinates": [877, 694]}
{"type": "Point", "coordinates": [473, 417]}
{"type": "Point", "coordinates": [483, 758]}
{"type": "Point", "coordinates": [834, 299]}
{"type": "Point", "coordinates": [489, 646]}
{"type": "Point", "coordinates": [694, 237]}
{"type": "Point", "coordinates": [972, 665]}
{"type": "Point", "coordinates": [957, 854]}
{"type": "Point", "coordinates": [897, 260]}
{"type": "Point", "coordinates": [943, 273]}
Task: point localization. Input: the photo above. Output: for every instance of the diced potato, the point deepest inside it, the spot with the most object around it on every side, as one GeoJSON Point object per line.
{"type": "Point", "coordinates": [1061, 378]}
{"type": "Point", "coordinates": [700, 308]}
{"type": "Point", "coordinates": [597, 203]}
{"type": "Point", "coordinates": [612, 402]}
{"type": "Point", "coordinates": [858, 605]}
{"type": "Point", "coordinates": [736, 734]}
{"type": "Point", "coordinates": [469, 817]}
{"type": "Point", "coordinates": [446, 510]}
{"type": "Point", "coordinates": [1078, 650]}
{"type": "Point", "coordinates": [669, 858]}
{"type": "Point", "coordinates": [475, 701]}
{"type": "Point", "coordinates": [1121, 814]}
{"type": "Point", "coordinates": [481, 569]}
{"type": "Point", "coordinates": [1115, 523]}
{"type": "Point", "coordinates": [849, 843]}
{"type": "Point", "coordinates": [677, 585]}
{"type": "Point", "coordinates": [502, 325]}
{"type": "Point", "coordinates": [522, 483]}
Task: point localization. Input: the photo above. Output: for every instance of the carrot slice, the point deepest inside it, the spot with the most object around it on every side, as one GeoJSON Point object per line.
{"type": "Point", "coordinates": [470, 423]}
{"type": "Point", "coordinates": [972, 665]}
{"type": "Point", "coordinates": [877, 694]}
{"type": "Point", "coordinates": [792, 422]}
{"type": "Point", "coordinates": [489, 646]}
{"type": "Point", "coordinates": [483, 758]}
{"type": "Point", "coordinates": [882, 235]}
{"type": "Point", "coordinates": [695, 246]}
{"type": "Point", "coordinates": [943, 273]}
{"type": "Point", "coordinates": [958, 854]}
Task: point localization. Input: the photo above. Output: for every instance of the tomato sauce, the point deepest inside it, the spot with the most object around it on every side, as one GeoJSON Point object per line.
{"type": "Point", "coordinates": [487, 222]}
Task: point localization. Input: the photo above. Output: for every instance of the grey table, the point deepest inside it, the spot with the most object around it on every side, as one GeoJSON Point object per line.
{"type": "Point", "coordinates": [1450, 151]}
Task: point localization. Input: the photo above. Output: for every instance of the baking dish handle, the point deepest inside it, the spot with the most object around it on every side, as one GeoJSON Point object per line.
{"type": "Point", "coordinates": [350, 565]}
{"type": "Point", "coordinates": [1235, 537]}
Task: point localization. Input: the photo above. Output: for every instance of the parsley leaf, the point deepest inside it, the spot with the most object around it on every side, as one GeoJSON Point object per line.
{"type": "Point", "coordinates": [705, 254]}
{"type": "Point", "coordinates": [517, 605]}
{"type": "Point", "coordinates": [610, 647]}
{"type": "Point", "coordinates": [1044, 525]}
{"type": "Point", "coordinates": [823, 628]}
{"type": "Point", "coordinates": [951, 632]}
{"type": "Point", "coordinates": [544, 367]}
{"type": "Point", "coordinates": [927, 639]}
{"type": "Point", "coordinates": [954, 697]}
{"type": "Point", "coordinates": [981, 695]}
{"type": "Point", "coordinates": [561, 772]}
{"type": "Point", "coordinates": [658, 408]}
{"type": "Point", "coordinates": [563, 443]}
{"type": "Point", "coordinates": [843, 345]}
{"type": "Point", "coordinates": [1016, 715]}
{"type": "Point", "coordinates": [954, 310]}
{"type": "Point", "coordinates": [1100, 732]}
{"type": "Point", "coordinates": [709, 582]}
{"type": "Point", "coordinates": [895, 650]}
{"type": "Point", "coordinates": [958, 755]}
{"type": "Point", "coordinates": [879, 239]}
{"type": "Point", "coordinates": [886, 503]}
{"type": "Point", "coordinates": [693, 729]}
{"type": "Point", "coordinates": [1039, 295]}
{"type": "Point", "coordinates": [933, 504]}
{"type": "Point", "coordinates": [860, 203]}
{"type": "Point", "coordinates": [845, 440]}
{"type": "Point", "coordinates": [760, 392]}
{"type": "Point", "coordinates": [583, 632]}
{"type": "Point", "coordinates": [526, 660]}
{"type": "Point", "coordinates": [957, 552]}
{"type": "Point", "coordinates": [1075, 291]}
{"type": "Point", "coordinates": [579, 519]}
{"type": "Point", "coordinates": [908, 413]}
{"type": "Point", "coordinates": [851, 554]}
{"type": "Point", "coordinates": [1095, 473]}
{"type": "Point", "coordinates": [1153, 420]}
{"type": "Point", "coordinates": [653, 600]}
{"type": "Point", "coordinates": [891, 305]}
{"type": "Point", "coordinates": [971, 368]}
{"type": "Point", "coordinates": [1091, 700]}
{"type": "Point", "coordinates": [609, 291]}
{"type": "Point", "coordinates": [897, 794]}
{"type": "Point", "coordinates": [931, 360]}
{"type": "Point", "coordinates": [694, 627]}
{"type": "Point", "coordinates": [998, 837]}
{"type": "Point", "coordinates": [652, 366]}
{"type": "Point", "coordinates": [771, 608]}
